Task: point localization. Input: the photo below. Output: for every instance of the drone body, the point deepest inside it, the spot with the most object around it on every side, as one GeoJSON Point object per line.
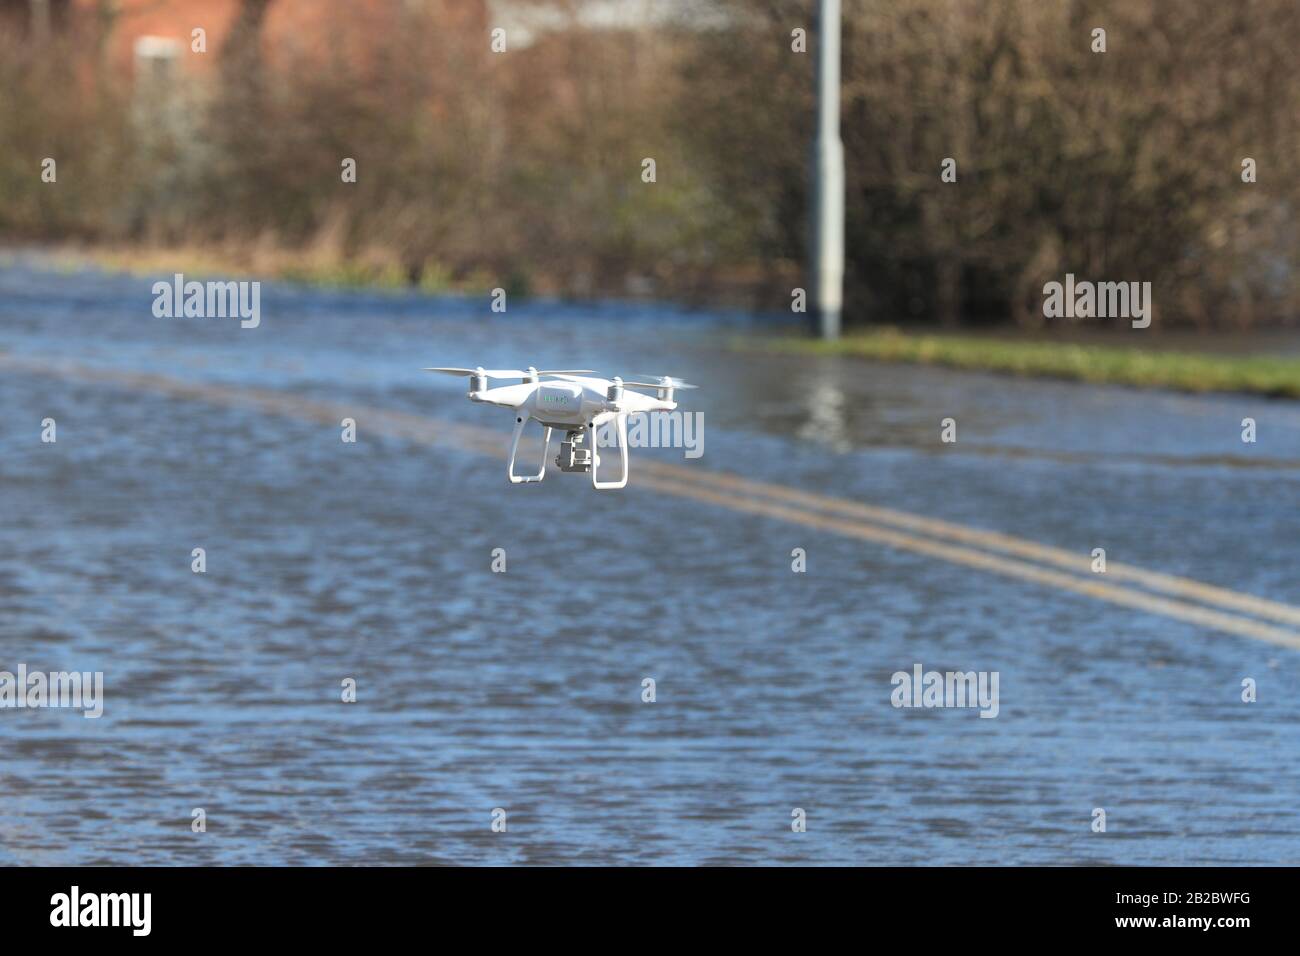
{"type": "Point", "coordinates": [571, 401]}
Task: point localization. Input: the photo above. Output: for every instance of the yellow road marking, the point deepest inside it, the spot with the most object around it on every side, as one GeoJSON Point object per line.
{"type": "Point", "coordinates": [838, 516]}
{"type": "Point", "coordinates": [1046, 554]}
{"type": "Point", "coordinates": [983, 560]}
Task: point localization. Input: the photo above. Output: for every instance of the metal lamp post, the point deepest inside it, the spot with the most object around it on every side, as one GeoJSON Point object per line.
{"type": "Point", "coordinates": [826, 256]}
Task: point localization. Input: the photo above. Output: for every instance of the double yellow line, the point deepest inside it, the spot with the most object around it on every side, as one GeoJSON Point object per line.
{"type": "Point", "coordinates": [996, 553]}
{"type": "Point", "coordinates": [1180, 598]}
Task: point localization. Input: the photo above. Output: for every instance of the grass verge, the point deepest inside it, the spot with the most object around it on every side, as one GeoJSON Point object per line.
{"type": "Point", "coordinates": [1105, 364]}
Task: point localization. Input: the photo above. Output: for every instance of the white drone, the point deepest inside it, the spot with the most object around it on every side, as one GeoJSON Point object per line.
{"type": "Point", "coordinates": [574, 402]}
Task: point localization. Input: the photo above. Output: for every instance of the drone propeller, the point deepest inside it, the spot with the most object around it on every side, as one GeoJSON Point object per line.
{"type": "Point", "coordinates": [505, 372]}
{"type": "Point", "coordinates": [661, 381]}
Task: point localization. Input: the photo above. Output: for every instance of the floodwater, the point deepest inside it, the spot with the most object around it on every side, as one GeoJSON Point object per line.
{"type": "Point", "coordinates": [523, 690]}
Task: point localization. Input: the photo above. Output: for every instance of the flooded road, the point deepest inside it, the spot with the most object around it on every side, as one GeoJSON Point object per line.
{"type": "Point", "coordinates": [523, 690]}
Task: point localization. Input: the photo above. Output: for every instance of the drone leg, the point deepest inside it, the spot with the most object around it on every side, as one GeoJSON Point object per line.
{"type": "Point", "coordinates": [514, 448]}
{"type": "Point", "coordinates": [621, 421]}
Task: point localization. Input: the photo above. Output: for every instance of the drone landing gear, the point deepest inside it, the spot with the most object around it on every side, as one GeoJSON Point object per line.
{"type": "Point", "coordinates": [514, 448]}
{"type": "Point", "coordinates": [621, 424]}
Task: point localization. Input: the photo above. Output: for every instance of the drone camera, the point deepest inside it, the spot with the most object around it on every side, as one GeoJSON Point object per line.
{"type": "Point", "coordinates": [574, 455]}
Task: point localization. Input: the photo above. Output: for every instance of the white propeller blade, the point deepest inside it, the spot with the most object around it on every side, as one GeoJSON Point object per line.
{"type": "Point", "coordinates": [661, 381]}
{"type": "Point", "coordinates": [505, 372]}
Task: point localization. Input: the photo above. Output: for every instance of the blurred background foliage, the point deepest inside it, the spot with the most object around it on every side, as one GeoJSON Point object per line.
{"type": "Point", "coordinates": [523, 169]}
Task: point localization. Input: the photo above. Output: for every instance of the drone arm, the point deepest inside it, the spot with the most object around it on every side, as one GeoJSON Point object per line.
{"type": "Point", "coordinates": [520, 422]}
{"type": "Point", "coordinates": [621, 424]}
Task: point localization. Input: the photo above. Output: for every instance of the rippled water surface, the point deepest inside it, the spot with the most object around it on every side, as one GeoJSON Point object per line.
{"type": "Point", "coordinates": [522, 690]}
